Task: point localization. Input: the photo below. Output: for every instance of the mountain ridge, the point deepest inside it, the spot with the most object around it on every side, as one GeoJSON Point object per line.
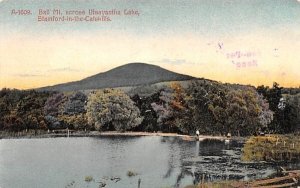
{"type": "Point", "coordinates": [131, 74]}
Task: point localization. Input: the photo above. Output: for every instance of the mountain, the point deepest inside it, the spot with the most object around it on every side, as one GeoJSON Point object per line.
{"type": "Point", "coordinates": [132, 74]}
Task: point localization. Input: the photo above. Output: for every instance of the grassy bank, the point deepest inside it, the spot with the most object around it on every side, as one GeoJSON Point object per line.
{"type": "Point", "coordinates": [272, 148]}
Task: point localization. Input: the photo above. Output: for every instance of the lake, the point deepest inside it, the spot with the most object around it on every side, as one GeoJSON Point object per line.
{"type": "Point", "coordinates": [157, 162]}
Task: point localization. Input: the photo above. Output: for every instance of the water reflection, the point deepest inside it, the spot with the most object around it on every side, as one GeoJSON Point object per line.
{"type": "Point", "coordinates": [158, 162]}
{"type": "Point", "coordinates": [212, 160]}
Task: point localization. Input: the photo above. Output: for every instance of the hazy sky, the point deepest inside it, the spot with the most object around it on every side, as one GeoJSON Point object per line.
{"type": "Point", "coordinates": [238, 41]}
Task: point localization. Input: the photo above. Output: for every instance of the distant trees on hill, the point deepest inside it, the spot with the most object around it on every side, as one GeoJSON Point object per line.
{"type": "Point", "coordinates": [183, 107]}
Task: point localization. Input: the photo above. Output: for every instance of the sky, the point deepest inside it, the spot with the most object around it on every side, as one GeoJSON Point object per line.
{"type": "Point", "coordinates": [253, 42]}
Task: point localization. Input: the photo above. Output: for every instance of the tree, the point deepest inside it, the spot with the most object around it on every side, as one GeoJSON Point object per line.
{"type": "Point", "coordinates": [216, 102]}
{"type": "Point", "coordinates": [13, 122]}
{"type": "Point", "coordinates": [30, 108]}
{"type": "Point", "coordinates": [73, 111]}
{"type": "Point", "coordinates": [275, 99]}
{"type": "Point", "coordinates": [53, 109]}
{"type": "Point", "coordinates": [54, 104]}
{"type": "Point", "coordinates": [291, 112]}
{"type": "Point", "coordinates": [9, 99]}
{"type": "Point", "coordinates": [112, 109]}
{"type": "Point", "coordinates": [243, 111]}
{"type": "Point", "coordinates": [172, 109]}
{"type": "Point", "coordinates": [22, 109]}
{"type": "Point", "coordinates": [266, 115]}
{"type": "Point", "coordinates": [149, 122]}
{"type": "Point", "coordinates": [75, 104]}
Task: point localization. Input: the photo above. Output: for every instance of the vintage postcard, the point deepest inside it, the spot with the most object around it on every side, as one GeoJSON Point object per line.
{"type": "Point", "coordinates": [149, 93]}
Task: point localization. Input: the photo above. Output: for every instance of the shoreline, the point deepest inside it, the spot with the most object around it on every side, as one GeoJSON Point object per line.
{"type": "Point", "coordinates": [64, 133]}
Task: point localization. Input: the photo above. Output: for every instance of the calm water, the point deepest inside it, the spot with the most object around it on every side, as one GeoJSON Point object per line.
{"type": "Point", "coordinates": [159, 162]}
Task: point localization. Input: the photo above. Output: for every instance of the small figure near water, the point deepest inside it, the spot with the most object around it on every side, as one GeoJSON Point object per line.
{"type": "Point", "coordinates": [197, 134]}
{"type": "Point", "coordinates": [228, 135]}
{"type": "Point", "coordinates": [228, 138]}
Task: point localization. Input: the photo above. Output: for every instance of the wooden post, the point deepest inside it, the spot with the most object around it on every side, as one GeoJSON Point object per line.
{"type": "Point", "coordinates": [139, 183]}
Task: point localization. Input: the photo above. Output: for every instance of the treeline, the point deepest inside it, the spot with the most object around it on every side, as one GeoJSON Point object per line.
{"type": "Point", "coordinates": [285, 104]}
{"type": "Point", "coordinates": [182, 107]}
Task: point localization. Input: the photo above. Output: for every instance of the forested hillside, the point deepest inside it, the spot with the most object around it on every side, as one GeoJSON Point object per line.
{"type": "Point", "coordinates": [177, 106]}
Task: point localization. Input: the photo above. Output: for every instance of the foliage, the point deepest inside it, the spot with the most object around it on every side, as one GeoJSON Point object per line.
{"type": "Point", "coordinates": [149, 122]}
{"type": "Point", "coordinates": [22, 109]}
{"type": "Point", "coordinates": [238, 111]}
{"type": "Point", "coordinates": [265, 115]}
{"type": "Point", "coordinates": [73, 112]}
{"type": "Point", "coordinates": [54, 123]}
{"type": "Point", "coordinates": [145, 90]}
{"type": "Point", "coordinates": [53, 105]}
{"type": "Point", "coordinates": [77, 121]}
{"type": "Point", "coordinates": [219, 108]}
{"type": "Point", "coordinates": [53, 108]}
{"type": "Point", "coordinates": [218, 184]}
{"type": "Point", "coordinates": [272, 147]}
{"type": "Point", "coordinates": [211, 108]}
{"type": "Point", "coordinates": [292, 113]}
{"type": "Point", "coordinates": [171, 109]}
{"type": "Point", "coordinates": [66, 111]}
{"type": "Point", "coordinates": [182, 107]}
{"type": "Point", "coordinates": [243, 111]}
{"type": "Point", "coordinates": [285, 108]}
{"type": "Point", "coordinates": [75, 104]}
{"type": "Point", "coordinates": [131, 173]}
{"type": "Point", "coordinates": [88, 178]}
{"type": "Point", "coordinates": [112, 108]}
{"type": "Point", "coordinates": [39, 110]}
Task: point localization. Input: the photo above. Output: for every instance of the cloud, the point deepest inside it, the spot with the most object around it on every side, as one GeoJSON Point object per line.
{"type": "Point", "coordinates": [28, 75]}
{"type": "Point", "coordinates": [174, 61]}
{"type": "Point", "coordinates": [64, 69]}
